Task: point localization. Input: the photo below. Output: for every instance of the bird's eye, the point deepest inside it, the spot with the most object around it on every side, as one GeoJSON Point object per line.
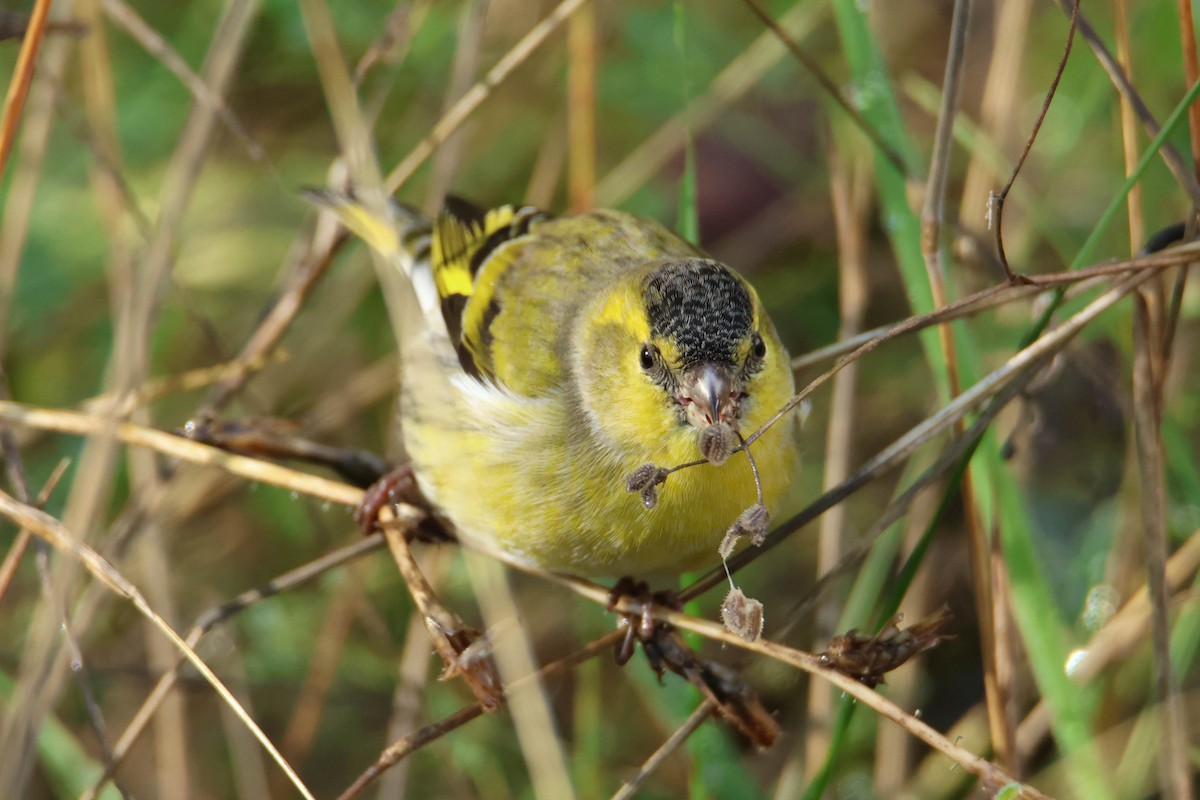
{"type": "Point", "coordinates": [646, 357]}
{"type": "Point", "coordinates": [759, 347]}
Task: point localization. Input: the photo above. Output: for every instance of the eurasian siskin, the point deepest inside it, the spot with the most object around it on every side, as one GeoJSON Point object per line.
{"type": "Point", "coordinates": [556, 356]}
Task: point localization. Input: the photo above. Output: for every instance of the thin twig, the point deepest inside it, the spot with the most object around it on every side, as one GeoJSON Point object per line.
{"type": "Point", "coordinates": [997, 203]}
{"type": "Point", "coordinates": [1010, 38]}
{"type": "Point", "coordinates": [831, 88]}
{"type": "Point", "coordinates": [1170, 156]}
{"type": "Point", "coordinates": [664, 751]}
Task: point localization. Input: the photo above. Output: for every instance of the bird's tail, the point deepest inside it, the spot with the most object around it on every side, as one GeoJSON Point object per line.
{"type": "Point", "coordinates": [405, 239]}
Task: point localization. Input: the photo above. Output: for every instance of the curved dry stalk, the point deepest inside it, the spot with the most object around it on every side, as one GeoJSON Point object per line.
{"type": "Point", "coordinates": [56, 535]}
{"type": "Point", "coordinates": [933, 217]}
{"type": "Point", "coordinates": [996, 203]}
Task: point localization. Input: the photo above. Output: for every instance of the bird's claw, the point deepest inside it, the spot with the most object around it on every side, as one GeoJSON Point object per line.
{"type": "Point", "coordinates": [639, 627]}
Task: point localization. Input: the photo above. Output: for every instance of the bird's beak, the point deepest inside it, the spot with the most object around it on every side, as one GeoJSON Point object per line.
{"type": "Point", "coordinates": [708, 393]}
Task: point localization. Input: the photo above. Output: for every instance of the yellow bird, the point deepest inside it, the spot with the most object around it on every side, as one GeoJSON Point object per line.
{"type": "Point", "coordinates": [554, 357]}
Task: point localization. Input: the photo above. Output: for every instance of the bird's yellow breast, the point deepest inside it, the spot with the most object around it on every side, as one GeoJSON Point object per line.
{"type": "Point", "coordinates": [526, 477]}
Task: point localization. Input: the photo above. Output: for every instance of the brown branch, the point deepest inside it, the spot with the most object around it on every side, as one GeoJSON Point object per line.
{"type": "Point", "coordinates": [996, 211]}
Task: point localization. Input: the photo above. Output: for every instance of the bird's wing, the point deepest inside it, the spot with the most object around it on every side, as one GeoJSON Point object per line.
{"type": "Point", "coordinates": [468, 257]}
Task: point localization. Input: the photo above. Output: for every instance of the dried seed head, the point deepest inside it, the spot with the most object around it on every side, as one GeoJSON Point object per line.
{"type": "Point", "coordinates": [717, 442]}
{"type": "Point", "coordinates": [728, 543]}
{"type": "Point", "coordinates": [753, 523]}
{"type": "Point", "coordinates": [647, 475]}
{"type": "Point", "coordinates": [742, 615]}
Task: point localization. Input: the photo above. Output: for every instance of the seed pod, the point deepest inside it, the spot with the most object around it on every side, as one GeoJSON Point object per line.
{"type": "Point", "coordinates": [644, 476]}
{"type": "Point", "coordinates": [728, 543]}
{"type": "Point", "coordinates": [742, 615]}
{"type": "Point", "coordinates": [717, 442]}
{"type": "Point", "coordinates": [753, 523]}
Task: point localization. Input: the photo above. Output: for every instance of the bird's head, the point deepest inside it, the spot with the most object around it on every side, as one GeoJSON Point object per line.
{"type": "Point", "coordinates": [673, 348]}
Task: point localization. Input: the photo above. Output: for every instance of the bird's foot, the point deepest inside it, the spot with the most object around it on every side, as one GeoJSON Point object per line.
{"type": "Point", "coordinates": [638, 627]}
{"type": "Point", "coordinates": [729, 694]}
{"type": "Point", "coordinates": [399, 486]}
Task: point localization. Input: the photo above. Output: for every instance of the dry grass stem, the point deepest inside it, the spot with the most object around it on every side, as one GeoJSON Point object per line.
{"type": "Point", "coordinates": [847, 186]}
{"type": "Point", "coordinates": [18, 85]}
{"type": "Point", "coordinates": [1147, 414]}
